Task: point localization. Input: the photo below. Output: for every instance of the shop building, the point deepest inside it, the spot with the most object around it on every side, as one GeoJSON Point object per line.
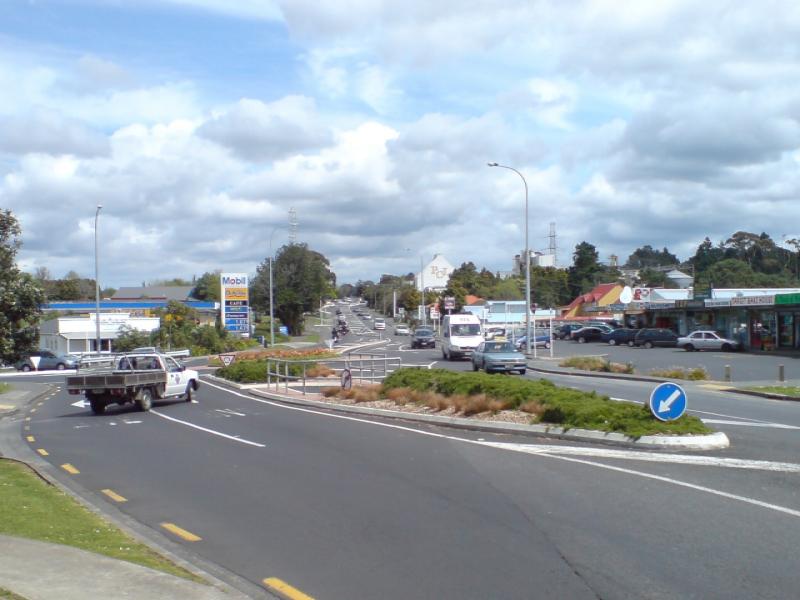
{"type": "Point", "coordinates": [78, 334]}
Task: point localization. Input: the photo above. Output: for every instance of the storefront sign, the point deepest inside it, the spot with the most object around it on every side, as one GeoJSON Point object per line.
{"type": "Point", "coordinates": [717, 303]}
{"type": "Point", "coordinates": [659, 305]}
{"type": "Point", "coordinates": [753, 300]}
{"type": "Point", "coordinates": [689, 304]}
{"type": "Point", "coordinates": [235, 302]}
{"type": "Point", "coordinates": [701, 291]}
{"type": "Point", "coordinates": [787, 299]}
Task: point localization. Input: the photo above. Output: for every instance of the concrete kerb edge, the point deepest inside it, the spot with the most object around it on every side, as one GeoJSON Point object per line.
{"type": "Point", "coordinates": [769, 395]}
{"type": "Point", "coordinates": [714, 441]}
{"type": "Point", "coordinates": [215, 575]}
{"type": "Point", "coordinates": [595, 374]}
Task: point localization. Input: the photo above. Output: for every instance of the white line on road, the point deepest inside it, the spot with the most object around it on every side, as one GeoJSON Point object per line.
{"type": "Point", "coordinates": [228, 411]}
{"type": "Point", "coordinates": [211, 431]}
{"type": "Point", "coordinates": [749, 424]}
{"type": "Point", "coordinates": [669, 480]}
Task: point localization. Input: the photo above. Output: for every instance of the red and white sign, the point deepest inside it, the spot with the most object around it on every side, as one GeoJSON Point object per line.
{"type": "Point", "coordinates": [227, 359]}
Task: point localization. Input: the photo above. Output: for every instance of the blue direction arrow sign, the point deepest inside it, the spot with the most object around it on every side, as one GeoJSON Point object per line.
{"type": "Point", "coordinates": [668, 401]}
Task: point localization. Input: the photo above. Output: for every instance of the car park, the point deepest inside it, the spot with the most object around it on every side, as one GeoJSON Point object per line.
{"type": "Point", "coordinates": [401, 329]}
{"type": "Point", "coordinates": [589, 334]}
{"type": "Point", "coordinates": [618, 337]}
{"type": "Point", "coordinates": [540, 341]}
{"type": "Point", "coordinates": [423, 338]}
{"type": "Point", "coordinates": [563, 331]}
{"type": "Point", "coordinates": [707, 340]}
{"type": "Point", "coordinates": [649, 338]}
{"type": "Point", "coordinates": [42, 360]}
{"type": "Point", "coordinates": [498, 356]}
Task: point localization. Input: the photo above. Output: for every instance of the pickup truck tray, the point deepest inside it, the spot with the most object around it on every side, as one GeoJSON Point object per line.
{"type": "Point", "coordinates": [115, 380]}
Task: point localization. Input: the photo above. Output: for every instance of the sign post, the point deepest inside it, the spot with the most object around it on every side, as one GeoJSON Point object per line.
{"type": "Point", "coordinates": [668, 401]}
{"type": "Point", "coordinates": [227, 359]}
{"type": "Point", "coordinates": [235, 303]}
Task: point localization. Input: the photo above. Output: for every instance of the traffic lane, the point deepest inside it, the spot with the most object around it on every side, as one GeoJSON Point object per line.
{"type": "Point", "coordinates": [340, 508]}
{"type": "Point", "coordinates": [745, 366]}
{"type": "Point", "coordinates": [359, 511]}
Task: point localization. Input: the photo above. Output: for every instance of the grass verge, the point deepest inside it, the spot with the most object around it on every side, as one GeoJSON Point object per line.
{"type": "Point", "coordinates": [695, 374]}
{"type": "Point", "coordinates": [32, 508]}
{"type": "Point", "coordinates": [595, 363]}
{"type": "Point", "coordinates": [4, 387]}
{"type": "Point", "coordinates": [471, 393]}
{"type": "Point", "coordinates": [8, 595]}
{"type": "Point", "coordinates": [783, 390]}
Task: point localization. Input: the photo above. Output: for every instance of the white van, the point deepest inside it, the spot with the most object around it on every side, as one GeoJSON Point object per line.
{"type": "Point", "coordinates": [461, 334]}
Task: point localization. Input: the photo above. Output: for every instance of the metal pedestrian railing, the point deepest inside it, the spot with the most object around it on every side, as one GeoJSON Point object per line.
{"type": "Point", "coordinates": [354, 367]}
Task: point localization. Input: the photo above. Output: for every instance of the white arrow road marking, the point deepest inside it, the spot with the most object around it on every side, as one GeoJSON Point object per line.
{"type": "Point", "coordinates": [744, 499]}
{"type": "Point", "coordinates": [664, 405]}
{"type": "Point", "coordinates": [211, 431]}
{"type": "Point", "coordinates": [80, 404]}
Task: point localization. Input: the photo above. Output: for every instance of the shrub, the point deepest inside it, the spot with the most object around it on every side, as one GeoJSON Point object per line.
{"type": "Point", "coordinates": [330, 392]}
{"type": "Point", "coordinates": [595, 363]}
{"type": "Point", "coordinates": [694, 374]}
{"type": "Point", "coordinates": [245, 371]}
{"type": "Point", "coordinates": [365, 393]}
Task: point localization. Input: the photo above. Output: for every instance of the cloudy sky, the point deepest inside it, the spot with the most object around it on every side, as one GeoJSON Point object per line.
{"type": "Point", "coordinates": [198, 125]}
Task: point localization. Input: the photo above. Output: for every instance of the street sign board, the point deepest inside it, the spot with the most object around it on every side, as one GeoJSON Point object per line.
{"type": "Point", "coordinates": [668, 401]}
{"type": "Point", "coordinates": [227, 359]}
{"type": "Point", "coordinates": [434, 313]}
{"type": "Point", "coordinates": [449, 303]}
{"type": "Point", "coordinates": [235, 302]}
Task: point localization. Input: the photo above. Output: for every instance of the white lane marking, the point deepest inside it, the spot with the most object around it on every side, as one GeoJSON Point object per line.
{"type": "Point", "coordinates": [433, 363]}
{"type": "Point", "coordinates": [228, 412]}
{"type": "Point", "coordinates": [80, 404]}
{"type": "Point", "coordinates": [211, 431]}
{"type": "Point", "coordinates": [748, 424]}
{"type": "Point", "coordinates": [132, 422]}
{"type": "Point", "coordinates": [80, 426]}
{"type": "Point", "coordinates": [53, 373]}
{"type": "Point", "coordinates": [700, 488]}
{"type": "Point", "coordinates": [680, 459]}
{"type": "Point", "coordinates": [677, 482]}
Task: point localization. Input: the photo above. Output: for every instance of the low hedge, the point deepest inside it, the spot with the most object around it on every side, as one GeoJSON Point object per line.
{"type": "Point", "coordinates": [565, 407]}
{"type": "Point", "coordinates": [255, 371]}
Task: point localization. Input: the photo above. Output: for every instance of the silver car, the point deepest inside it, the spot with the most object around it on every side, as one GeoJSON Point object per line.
{"type": "Point", "coordinates": [707, 340]}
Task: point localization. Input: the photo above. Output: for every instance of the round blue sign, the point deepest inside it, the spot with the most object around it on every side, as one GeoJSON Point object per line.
{"type": "Point", "coordinates": [668, 401]}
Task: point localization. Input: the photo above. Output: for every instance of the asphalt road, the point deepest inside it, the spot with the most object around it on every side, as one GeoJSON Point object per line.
{"type": "Point", "coordinates": [344, 507]}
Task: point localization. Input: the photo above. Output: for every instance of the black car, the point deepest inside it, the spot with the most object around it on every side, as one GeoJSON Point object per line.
{"type": "Point", "coordinates": [588, 334]}
{"type": "Point", "coordinates": [423, 338]}
{"type": "Point", "coordinates": [619, 337]}
{"type": "Point", "coordinates": [656, 337]}
{"type": "Point", "coordinates": [563, 332]}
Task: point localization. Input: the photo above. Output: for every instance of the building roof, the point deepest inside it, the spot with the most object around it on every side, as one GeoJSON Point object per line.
{"type": "Point", "coordinates": [180, 293]}
{"type": "Point", "coordinates": [471, 300]}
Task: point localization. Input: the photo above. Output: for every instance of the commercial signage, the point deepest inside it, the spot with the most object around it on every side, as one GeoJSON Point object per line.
{"type": "Point", "coordinates": [689, 304]}
{"type": "Point", "coordinates": [701, 291]}
{"type": "Point", "coordinates": [718, 303]}
{"type": "Point", "coordinates": [787, 299]}
{"type": "Point", "coordinates": [449, 303]}
{"type": "Point", "coordinates": [753, 300]}
{"type": "Point", "coordinates": [659, 305]}
{"type": "Point", "coordinates": [235, 303]}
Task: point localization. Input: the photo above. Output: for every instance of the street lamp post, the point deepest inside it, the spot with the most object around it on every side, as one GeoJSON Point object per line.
{"type": "Point", "coordinates": [96, 283]}
{"type": "Point", "coordinates": [271, 310]}
{"type": "Point", "coordinates": [527, 265]}
{"type": "Point", "coordinates": [422, 288]}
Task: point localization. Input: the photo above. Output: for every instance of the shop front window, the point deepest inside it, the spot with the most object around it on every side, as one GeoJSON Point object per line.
{"type": "Point", "coordinates": [786, 330]}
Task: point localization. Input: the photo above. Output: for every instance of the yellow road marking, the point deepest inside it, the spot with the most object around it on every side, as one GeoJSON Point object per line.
{"type": "Point", "coordinates": [70, 469]}
{"type": "Point", "coordinates": [285, 589]}
{"type": "Point", "coordinates": [714, 386]}
{"type": "Point", "coordinates": [43, 452]}
{"type": "Point", "coordinates": [30, 438]}
{"type": "Point", "coordinates": [181, 533]}
{"type": "Point", "coordinates": [114, 495]}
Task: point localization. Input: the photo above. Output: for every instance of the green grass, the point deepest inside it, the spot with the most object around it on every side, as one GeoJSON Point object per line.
{"type": "Point", "coordinates": [32, 508]}
{"type": "Point", "coordinates": [783, 390]}
{"type": "Point", "coordinates": [595, 363]}
{"type": "Point", "coordinates": [7, 595]}
{"type": "Point", "coordinates": [4, 387]}
{"type": "Point", "coordinates": [565, 407]}
{"type": "Point", "coordinates": [695, 374]}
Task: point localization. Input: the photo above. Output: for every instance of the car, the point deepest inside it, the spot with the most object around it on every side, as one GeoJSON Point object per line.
{"type": "Point", "coordinates": [379, 324]}
{"type": "Point", "coordinates": [563, 331]}
{"type": "Point", "coordinates": [46, 360]}
{"type": "Point", "coordinates": [366, 316]}
{"type": "Point", "coordinates": [707, 340]}
{"type": "Point", "coordinates": [589, 334]}
{"type": "Point", "coordinates": [651, 337]}
{"type": "Point", "coordinates": [401, 329]}
{"type": "Point", "coordinates": [498, 356]}
{"type": "Point", "coordinates": [493, 331]}
{"type": "Point", "coordinates": [540, 341]}
{"type": "Point", "coordinates": [423, 338]}
{"type": "Point", "coordinates": [618, 337]}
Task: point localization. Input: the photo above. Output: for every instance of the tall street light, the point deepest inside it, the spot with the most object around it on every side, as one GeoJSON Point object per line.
{"type": "Point", "coordinates": [422, 288]}
{"type": "Point", "coordinates": [271, 310]}
{"type": "Point", "coordinates": [96, 283]}
{"type": "Point", "coordinates": [527, 264]}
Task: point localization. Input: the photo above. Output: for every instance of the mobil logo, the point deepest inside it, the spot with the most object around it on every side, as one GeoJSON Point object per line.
{"type": "Point", "coordinates": [234, 279]}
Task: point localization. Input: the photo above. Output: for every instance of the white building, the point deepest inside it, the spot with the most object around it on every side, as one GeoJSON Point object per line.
{"type": "Point", "coordinates": [77, 334]}
{"type": "Point", "coordinates": [538, 259]}
{"type": "Point", "coordinates": [435, 274]}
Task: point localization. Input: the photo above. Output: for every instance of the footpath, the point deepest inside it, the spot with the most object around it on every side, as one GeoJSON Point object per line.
{"type": "Point", "coordinates": [37, 570]}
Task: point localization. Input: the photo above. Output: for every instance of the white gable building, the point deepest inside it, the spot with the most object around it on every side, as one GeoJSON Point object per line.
{"type": "Point", "coordinates": [435, 274]}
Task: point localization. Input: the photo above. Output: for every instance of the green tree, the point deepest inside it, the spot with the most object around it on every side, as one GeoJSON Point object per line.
{"type": "Point", "coordinates": [466, 277]}
{"type": "Point", "coordinates": [207, 287]}
{"type": "Point", "coordinates": [549, 286]}
{"type": "Point", "coordinates": [409, 298]}
{"type": "Point", "coordinates": [511, 288]}
{"type": "Point", "coordinates": [582, 275]}
{"type": "Point", "coordinates": [20, 295]}
{"type": "Point", "coordinates": [647, 256]}
{"type": "Point", "coordinates": [302, 278]}
{"type": "Point", "coordinates": [129, 338]}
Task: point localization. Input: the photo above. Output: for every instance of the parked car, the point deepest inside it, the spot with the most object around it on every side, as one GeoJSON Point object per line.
{"type": "Point", "coordinates": [401, 329]}
{"type": "Point", "coordinates": [493, 331]}
{"type": "Point", "coordinates": [540, 341]}
{"type": "Point", "coordinates": [589, 334]}
{"type": "Point", "coordinates": [423, 338]}
{"type": "Point", "coordinates": [563, 331]}
{"type": "Point", "coordinates": [656, 337]}
{"type": "Point", "coordinates": [366, 316]}
{"type": "Point", "coordinates": [618, 337]}
{"type": "Point", "coordinates": [707, 340]}
{"type": "Point", "coordinates": [498, 356]}
{"type": "Point", "coordinates": [47, 360]}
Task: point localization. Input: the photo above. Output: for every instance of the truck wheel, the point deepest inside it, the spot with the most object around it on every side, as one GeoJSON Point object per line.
{"type": "Point", "coordinates": [190, 392]}
{"type": "Point", "coordinates": [145, 400]}
{"type": "Point", "coordinates": [98, 405]}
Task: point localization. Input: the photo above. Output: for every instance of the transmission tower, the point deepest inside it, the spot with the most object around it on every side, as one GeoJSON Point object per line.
{"type": "Point", "coordinates": [292, 225]}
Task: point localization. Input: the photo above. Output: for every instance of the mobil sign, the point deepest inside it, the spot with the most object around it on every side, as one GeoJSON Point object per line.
{"type": "Point", "coordinates": [235, 301]}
